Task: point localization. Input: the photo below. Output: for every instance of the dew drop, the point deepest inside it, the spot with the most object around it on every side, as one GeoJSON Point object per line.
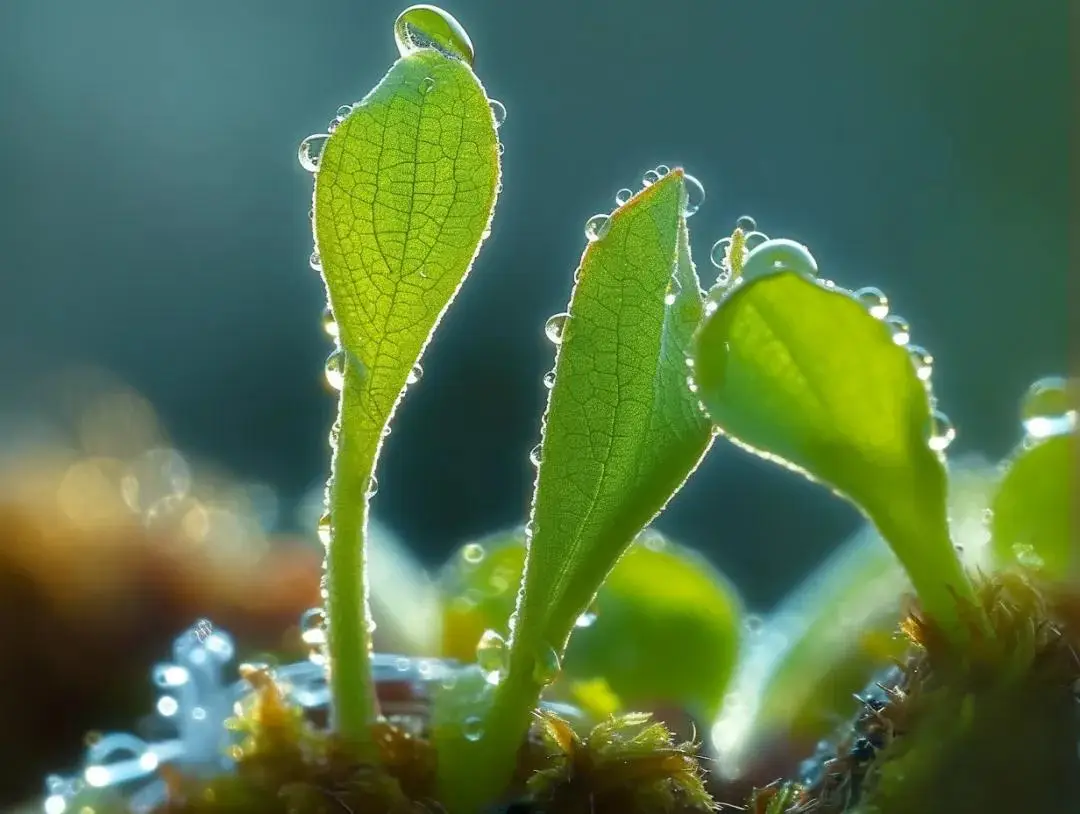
{"type": "Point", "coordinates": [746, 223]}
{"type": "Point", "coordinates": [427, 85]}
{"type": "Point", "coordinates": [415, 375]}
{"type": "Point", "coordinates": [498, 111]}
{"type": "Point", "coordinates": [315, 261]}
{"type": "Point", "coordinates": [596, 227]}
{"type": "Point", "coordinates": [650, 178]}
{"type": "Point", "coordinates": [695, 195]}
{"type": "Point", "coordinates": [923, 361]}
{"type": "Point", "coordinates": [534, 455]}
{"type": "Point", "coordinates": [778, 255]}
{"type": "Point", "coordinates": [344, 111]}
{"type": "Point", "coordinates": [310, 151]}
{"type": "Point", "coordinates": [942, 431]}
{"type": "Point", "coordinates": [1026, 555]}
{"type": "Point", "coordinates": [899, 328]}
{"type": "Point", "coordinates": [373, 487]}
{"type": "Point", "coordinates": [491, 655]}
{"type": "Point", "coordinates": [719, 252]}
{"type": "Point", "coordinates": [472, 728]}
{"type": "Point", "coordinates": [753, 624]}
{"type": "Point", "coordinates": [623, 195]}
{"type": "Point", "coordinates": [333, 125]}
{"type": "Point", "coordinates": [752, 240]}
{"type": "Point", "coordinates": [329, 325]}
{"type": "Point", "coordinates": [335, 369]}
{"type": "Point", "coordinates": [425, 26]}
{"type": "Point", "coordinates": [1047, 408]}
{"type": "Point", "coordinates": [324, 529]}
{"type": "Point", "coordinates": [555, 327]}
{"type": "Point", "coordinates": [662, 169]}
{"type": "Point", "coordinates": [547, 666]}
{"type": "Point", "coordinates": [472, 553]}
{"type": "Point", "coordinates": [313, 633]}
{"type": "Point", "coordinates": [587, 619]}
{"type": "Point", "coordinates": [549, 379]}
{"type": "Point", "coordinates": [874, 301]}
{"type": "Point", "coordinates": [170, 676]}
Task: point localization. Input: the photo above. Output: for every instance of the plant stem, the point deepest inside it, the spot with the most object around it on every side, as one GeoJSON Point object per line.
{"type": "Point", "coordinates": [353, 702]}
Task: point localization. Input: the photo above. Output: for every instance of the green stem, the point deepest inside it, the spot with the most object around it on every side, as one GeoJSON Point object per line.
{"type": "Point", "coordinates": [353, 702]}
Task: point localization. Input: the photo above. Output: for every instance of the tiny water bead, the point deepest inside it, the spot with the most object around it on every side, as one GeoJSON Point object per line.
{"type": "Point", "coordinates": [335, 369]}
{"type": "Point", "coordinates": [415, 375]}
{"type": "Point", "coordinates": [549, 379]}
{"type": "Point", "coordinates": [373, 486]}
{"type": "Point", "coordinates": [425, 26]}
{"type": "Point", "coordinates": [343, 111]}
{"type": "Point", "coordinates": [427, 84]}
{"type": "Point", "coordinates": [555, 327]}
{"type": "Point", "coordinates": [587, 619]}
{"type": "Point", "coordinates": [491, 655]}
{"type": "Point", "coordinates": [623, 195]}
{"type": "Point", "coordinates": [472, 728]}
{"type": "Point", "coordinates": [329, 324]}
{"type": "Point", "coordinates": [753, 239]}
{"type": "Point", "coordinates": [942, 431]}
{"type": "Point", "coordinates": [650, 178]}
{"type": "Point", "coordinates": [498, 111]}
{"type": "Point", "coordinates": [547, 667]}
{"type": "Point", "coordinates": [922, 360]}
{"type": "Point", "coordinates": [310, 150]}
{"type": "Point", "coordinates": [695, 195]}
{"type": "Point", "coordinates": [899, 328]}
{"type": "Point", "coordinates": [1026, 555]}
{"type": "Point", "coordinates": [719, 252]}
{"type": "Point", "coordinates": [472, 553]}
{"type": "Point", "coordinates": [1048, 408]}
{"type": "Point", "coordinates": [746, 224]}
{"type": "Point", "coordinates": [313, 630]}
{"type": "Point", "coordinates": [662, 170]}
{"type": "Point", "coordinates": [534, 455]}
{"type": "Point", "coordinates": [596, 227]}
{"type": "Point", "coordinates": [874, 301]}
{"type": "Point", "coordinates": [315, 261]}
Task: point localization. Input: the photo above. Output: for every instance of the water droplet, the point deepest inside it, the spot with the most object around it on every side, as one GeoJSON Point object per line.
{"type": "Point", "coordinates": [719, 252]}
{"type": "Point", "coordinates": [746, 223]}
{"type": "Point", "coordinates": [310, 151]}
{"type": "Point", "coordinates": [695, 195]}
{"type": "Point", "coordinates": [1047, 408]}
{"type": "Point", "coordinates": [167, 706]}
{"type": "Point", "coordinates": [650, 178]}
{"type": "Point", "coordinates": [472, 728]}
{"type": "Point", "coordinates": [426, 26]}
{"type": "Point", "coordinates": [587, 619]}
{"type": "Point", "coordinates": [942, 431]}
{"type": "Point", "coordinates": [549, 379]}
{"type": "Point", "coordinates": [324, 529]}
{"type": "Point", "coordinates": [874, 301]}
{"type": "Point", "coordinates": [753, 624]}
{"type": "Point", "coordinates": [333, 125]}
{"type": "Point", "coordinates": [778, 255]}
{"type": "Point", "coordinates": [596, 227]}
{"type": "Point", "coordinates": [547, 666]}
{"type": "Point", "coordinates": [313, 633]}
{"type": "Point", "coordinates": [415, 375]}
{"type": "Point", "coordinates": [662, 170]}
{"type": "Point", "coordinates": [315, 261]}
{"type": "Point", "coordinates": [555, 327]}
{"type": "Point", "coordinates": [472, 553]}
{"type": "Point", "coordinates": [329, 325]}
{"type": "Point", "coordinates": [623, 195]}
{"type": "Point", "coordinates": [673, 291]}
{"type": "Point", "coordinates": [168, 676]}
{"type": "Point", "coordinates": [498, 111]}
{"type": "Point", "coordinates": [373, 486]}
{"type": "Point", "coordinates": [534, 455]}
{"type": "Point", "coordinates": [1026, 555]}
{"type": "Point", "coordinates": [899, 328]}
{"type": "Point", "coordinates": [344, 111]}
{"type": "Point", "coordinates": [923, 361]}
{"type": "Point", "coordinates": [335, 369]}
{"type": "Point", "coordinates": [752, 240]}
{"type": "Point", "coordinates": [427, 84]}
{"type": "Point", "coordinates": [491, 656]}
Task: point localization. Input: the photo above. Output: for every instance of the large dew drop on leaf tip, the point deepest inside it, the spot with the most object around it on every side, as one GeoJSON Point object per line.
{"type": "Point", "coordinates": [425, 26]}
{"type": "Point", "coordinates": [1047, 409]}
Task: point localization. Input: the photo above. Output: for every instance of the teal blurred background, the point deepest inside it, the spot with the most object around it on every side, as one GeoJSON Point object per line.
{"type": "Point", "coordinates": [153, 219]}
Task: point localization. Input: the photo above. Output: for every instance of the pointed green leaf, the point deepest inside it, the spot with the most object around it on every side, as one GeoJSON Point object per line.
{"type": "Point", "coordinates": [404, 194]}
{"type": "Point", "coordinates": [622, 433]}
{"type": "Point", "coordinates": [1034, 521]}
{"type": "Point", "coordinates": [796, 369]}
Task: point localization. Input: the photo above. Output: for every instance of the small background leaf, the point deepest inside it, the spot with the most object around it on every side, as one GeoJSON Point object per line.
{"type": "Point", "coordinates": [1034, 509]}
{"type": "Point", "coordinates": [798, 371]}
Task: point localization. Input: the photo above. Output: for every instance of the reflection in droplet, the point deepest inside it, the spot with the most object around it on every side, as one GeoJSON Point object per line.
{"type": "Point", "coordinates": [491, 655]}
{"type": "Point", "coordinates": [335, 369]}
{"type": "Point", "coordinates": [329, 324]}
{"type": "Point", "coordinates": [323, 529]}
{"type": "Point", "coordinates": [922, 360]}
{"type": "Point", "coordinates": [425, 26]}
{"type": "Point", "coordinates": [549, 379]}
{"type": "Point", "coordinates": [315, 261]}
{"type": "Point", "coordinates": [899, 328]}
{"type": "Point", "coordinates": [555, 327]}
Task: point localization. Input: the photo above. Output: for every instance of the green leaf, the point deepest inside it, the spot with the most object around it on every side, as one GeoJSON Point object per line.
{"type": "Point", "coordinates": [1033, 520]}
{"type": "Point", "coordinates": [664, 629]}
{"type": "Point", "coordinates": [404, 194]}
{"type": "Point", "coordinates": [798, 371]}
{"type": "Point", "coordinates": [622, 433]}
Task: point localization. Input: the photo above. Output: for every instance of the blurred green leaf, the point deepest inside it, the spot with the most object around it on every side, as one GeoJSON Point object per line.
{"type": "Point", "coordinates": [796, 370]}
{"type": "Point", "coordinates": [404, 193]}
{"type": "Point", "coordinates": [664, 630]}
{"type": "Point", "coordinates": [1034, 521]}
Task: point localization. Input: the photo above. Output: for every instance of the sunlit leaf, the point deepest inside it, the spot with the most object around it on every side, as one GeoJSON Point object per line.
{"type": "Point", "coordinates": [404, 193]}
{"type": "Point", "coordinates": [1034, 509]}
{"type": "Point", "coordinates": [622, 433]}
{"type": "Point", "coordinates": [798, 371]}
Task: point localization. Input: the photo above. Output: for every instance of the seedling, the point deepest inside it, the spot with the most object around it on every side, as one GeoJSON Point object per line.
{"type": "Point", "coordinates": [649, 369]}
